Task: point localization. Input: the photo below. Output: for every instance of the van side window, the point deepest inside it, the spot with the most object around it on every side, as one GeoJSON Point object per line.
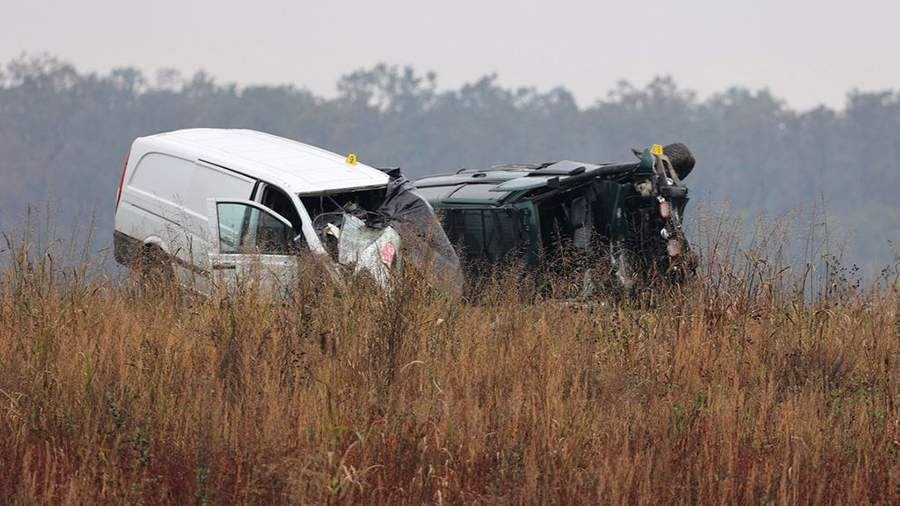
{"type": "Point", "coordinates": [278, 201]}
{"type": "Point", "coordinates": [247, 229]}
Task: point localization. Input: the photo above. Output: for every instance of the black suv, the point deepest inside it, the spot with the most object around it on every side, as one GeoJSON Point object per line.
{"type": "Point", "coordinates": [628, 213]}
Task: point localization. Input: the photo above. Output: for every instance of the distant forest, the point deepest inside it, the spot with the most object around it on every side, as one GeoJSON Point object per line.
{"type": "Point", "coordinates": [64, 135]}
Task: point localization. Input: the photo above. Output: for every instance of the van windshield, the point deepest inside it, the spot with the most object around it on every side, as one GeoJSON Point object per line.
{"type": "Point", "coordinates": [327, 210]}
{"type": "Point", "coordinates": [367, 200]}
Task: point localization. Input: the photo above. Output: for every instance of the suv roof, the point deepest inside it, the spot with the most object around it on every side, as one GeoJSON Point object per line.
{"type": "Point", "coordinates": [299, 168]}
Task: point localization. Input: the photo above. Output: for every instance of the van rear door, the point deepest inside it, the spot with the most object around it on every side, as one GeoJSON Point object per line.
{"type": "Point", "coordinates": [250, 243]}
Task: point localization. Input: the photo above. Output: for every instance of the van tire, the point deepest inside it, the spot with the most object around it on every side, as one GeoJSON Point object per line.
{"type": "Point", "coordinates": [154, 267]}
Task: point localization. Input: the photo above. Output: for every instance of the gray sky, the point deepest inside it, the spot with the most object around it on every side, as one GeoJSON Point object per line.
{"type": "Point", "coordinates": [807, 52]}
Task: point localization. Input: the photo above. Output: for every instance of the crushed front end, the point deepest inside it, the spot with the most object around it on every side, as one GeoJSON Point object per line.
{"type": "Point", "coordinates": [378, 230]}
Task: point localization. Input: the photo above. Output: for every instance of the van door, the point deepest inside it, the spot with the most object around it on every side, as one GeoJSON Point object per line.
{"type": "Point", "coordinates": [250, 244]}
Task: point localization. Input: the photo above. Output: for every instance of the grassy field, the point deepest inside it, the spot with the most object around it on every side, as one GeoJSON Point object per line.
{"type": "Point", "coordinates": [734, 389]}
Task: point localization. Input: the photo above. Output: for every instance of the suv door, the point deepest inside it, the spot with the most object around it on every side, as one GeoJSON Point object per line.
{"type": "Point", "coordinates": [250, 242]}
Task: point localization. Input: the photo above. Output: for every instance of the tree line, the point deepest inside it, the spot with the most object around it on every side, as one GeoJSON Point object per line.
{"type": "Point", "coordinates": [64, 134]}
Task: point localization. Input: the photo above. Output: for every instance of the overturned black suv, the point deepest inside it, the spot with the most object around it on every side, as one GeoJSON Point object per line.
{"type": "Point", "coordinates": [627, 213]}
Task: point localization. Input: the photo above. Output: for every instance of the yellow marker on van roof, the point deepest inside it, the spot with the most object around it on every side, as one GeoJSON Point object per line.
{"type": "Point", "coordinates": [351, 158]}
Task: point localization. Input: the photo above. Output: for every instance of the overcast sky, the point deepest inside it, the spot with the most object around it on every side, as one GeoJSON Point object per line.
{"type": "Point", "coordinates": [807, 52]}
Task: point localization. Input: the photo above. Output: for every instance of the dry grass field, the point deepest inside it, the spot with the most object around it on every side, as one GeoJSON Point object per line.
{"type": "Point", "coordinates": [737, 388]}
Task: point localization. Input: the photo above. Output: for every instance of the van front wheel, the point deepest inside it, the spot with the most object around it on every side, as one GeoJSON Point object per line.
{"type": "Point", "coordinates": [154, 267]}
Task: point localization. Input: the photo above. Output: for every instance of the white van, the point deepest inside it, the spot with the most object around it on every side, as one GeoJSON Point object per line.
{"type": "Point", "coordinates": [212, 203]}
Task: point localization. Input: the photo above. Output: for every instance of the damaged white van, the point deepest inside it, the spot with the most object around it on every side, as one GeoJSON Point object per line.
{"type": "Point", "coordinates": [207, 206]}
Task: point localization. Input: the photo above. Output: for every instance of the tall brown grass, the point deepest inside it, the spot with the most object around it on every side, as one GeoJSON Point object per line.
{"type": "Point", "coordinates": [736, 388]}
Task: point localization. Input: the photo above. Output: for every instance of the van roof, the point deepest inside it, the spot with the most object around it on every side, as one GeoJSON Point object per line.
{"type": "Point", "coordinates": [299, 168]}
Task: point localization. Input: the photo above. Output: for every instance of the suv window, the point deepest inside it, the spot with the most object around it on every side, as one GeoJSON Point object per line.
{"type": "Point", "coordinates": [484, 233]}
{"type": "Point", "coordinates": [247, 229]}
{"type": "Point", "coordinates": [477, 192]}
{"type": "Point", "coordinates": [432, 193]}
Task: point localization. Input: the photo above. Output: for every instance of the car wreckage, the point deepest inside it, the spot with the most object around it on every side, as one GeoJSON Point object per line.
{"type": "Point", "coordinates": [206, 207]}
{"type": "Point", "coordinates": [396, 228]}
{"type": "Point", "coordinates": [629, 213]}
